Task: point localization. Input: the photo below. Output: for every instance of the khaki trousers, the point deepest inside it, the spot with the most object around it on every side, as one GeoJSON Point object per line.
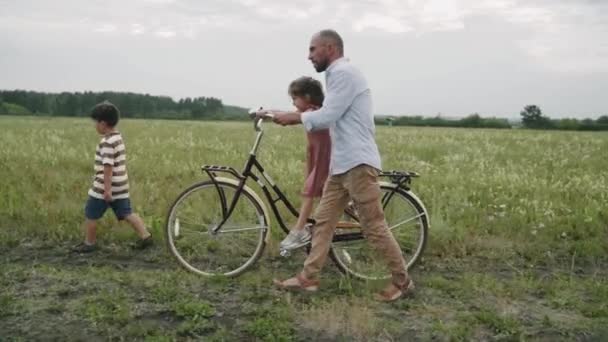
{"type": "Point", "coordinates": [361, 185]}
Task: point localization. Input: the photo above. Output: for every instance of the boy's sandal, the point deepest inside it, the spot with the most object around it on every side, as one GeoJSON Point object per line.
{"type": "Point", "coordinates": [395, 292]}
{"type": "Point", "coordinates": [297, 283]}
{"type": "Point", "coordinates": [84, 248]}
{"type": "Point", "coordinates": [143, 243]}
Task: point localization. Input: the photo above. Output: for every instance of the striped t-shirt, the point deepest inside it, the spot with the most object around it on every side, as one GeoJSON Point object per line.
{"type": "Point", "coordinates": [111, 151]}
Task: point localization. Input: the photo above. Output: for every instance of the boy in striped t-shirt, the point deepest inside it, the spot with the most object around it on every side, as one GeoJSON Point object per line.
{"type": "Point", "coordinates": [111, 184]}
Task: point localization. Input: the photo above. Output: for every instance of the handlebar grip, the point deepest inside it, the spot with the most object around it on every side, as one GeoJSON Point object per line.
{"type": "Point", "coordinates": [257, 121]}
{"type": "Point", "coordinates": [257, 124]}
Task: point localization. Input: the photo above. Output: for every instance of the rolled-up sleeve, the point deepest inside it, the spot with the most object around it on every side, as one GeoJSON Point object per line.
{"type": "Point", "coordinates": [340, 95]}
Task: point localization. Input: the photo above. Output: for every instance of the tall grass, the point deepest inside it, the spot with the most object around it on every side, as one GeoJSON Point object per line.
{"type": "Point", "coordinates": [540, 196]}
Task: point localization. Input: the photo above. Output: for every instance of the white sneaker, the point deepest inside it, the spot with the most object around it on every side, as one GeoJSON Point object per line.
{"type": "Point", "coordinates": [297, 238]}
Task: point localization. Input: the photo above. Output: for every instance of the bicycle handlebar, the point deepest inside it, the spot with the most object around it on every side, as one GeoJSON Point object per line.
{"type": "Point", "coordinates": [257, 121]}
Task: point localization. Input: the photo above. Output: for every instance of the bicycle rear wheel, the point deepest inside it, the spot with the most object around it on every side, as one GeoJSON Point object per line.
{"type": "Point", "coordinates": [231, 250]}
{"type": "Point", "coordinates": [408, 222]}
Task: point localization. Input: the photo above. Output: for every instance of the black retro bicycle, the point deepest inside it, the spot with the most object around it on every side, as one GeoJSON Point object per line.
{"type": "Point", "coordinates": [219, 226]}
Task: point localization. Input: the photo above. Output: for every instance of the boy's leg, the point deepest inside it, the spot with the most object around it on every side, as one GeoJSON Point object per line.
{"type": "Point", "coordinates": [90, 238]}
{"type": "Point", "coordinates": [138, 225]}
{"type": "Point", "coordinates": [90, 235]}
{"type": "Point", "coordinates": [122, 210]}
{"type": "Point", "coordinates": [299, 235]}
{"type": "Point", "coordinates": [305, 211]}
{"type": "Point", "coordinates": [364, 189]}
{"type": "Point", "coordinates": [93, 211]}
{"type": "Point", "coordinates": [334, 200]}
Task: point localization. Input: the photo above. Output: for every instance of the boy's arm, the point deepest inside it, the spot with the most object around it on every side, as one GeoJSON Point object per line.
{"type": "Point", "coordinates": [107, 159]}
{"type": "Point", "coordinates": [107, 183]}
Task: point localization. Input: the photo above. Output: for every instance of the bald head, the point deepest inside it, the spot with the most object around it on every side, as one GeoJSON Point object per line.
{"type": "Point", "coordinates": [325, 47]}
{"type": "Point", "coordinates": [332, 37]}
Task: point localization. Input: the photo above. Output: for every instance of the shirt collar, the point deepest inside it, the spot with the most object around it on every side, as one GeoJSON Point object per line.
{"type": "Point", "coordinates": [336, 62]}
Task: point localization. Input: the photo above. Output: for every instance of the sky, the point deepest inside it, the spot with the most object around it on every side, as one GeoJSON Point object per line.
{"type": "Point", "coordinates": [420, 57]}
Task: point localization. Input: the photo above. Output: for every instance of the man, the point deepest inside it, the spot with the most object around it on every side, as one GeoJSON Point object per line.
{"type": "Point", "coordinates": [355, 162]}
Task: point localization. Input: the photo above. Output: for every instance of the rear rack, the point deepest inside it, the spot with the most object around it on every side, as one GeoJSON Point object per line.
{"type": "Point", "coordinates": [401, 178]}
{"type": "Point", "coordinates": [212, 169]}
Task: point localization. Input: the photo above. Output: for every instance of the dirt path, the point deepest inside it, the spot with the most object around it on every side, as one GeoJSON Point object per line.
{"type": "Point", "coordinates": [51, 294]}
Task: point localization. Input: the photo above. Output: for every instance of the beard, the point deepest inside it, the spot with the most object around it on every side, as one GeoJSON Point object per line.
{"type": "Point", "coordinates": [321, 65]}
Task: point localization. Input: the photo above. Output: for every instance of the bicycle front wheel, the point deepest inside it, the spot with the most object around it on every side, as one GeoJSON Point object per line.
{"type": "Point", "coordinates": [407, 220]}
{"type": "Point", "coordinates": [228, 251]}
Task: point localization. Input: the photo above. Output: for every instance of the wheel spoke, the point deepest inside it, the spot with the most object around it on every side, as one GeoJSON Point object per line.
{"type": "Point", "coordinates": [223, 230]}
{"type": "Point", "coordinates": [406, 221]}
{"type": "Point", "coordinates": [229, 251]}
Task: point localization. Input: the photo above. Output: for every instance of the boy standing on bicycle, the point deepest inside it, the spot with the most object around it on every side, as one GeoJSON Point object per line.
{"type": "Point", "coordinates": [307, 95]}
{"type": "Point", "coordinates": [355, 161]}
{"type": "Point", "coordinates": [110, 185]}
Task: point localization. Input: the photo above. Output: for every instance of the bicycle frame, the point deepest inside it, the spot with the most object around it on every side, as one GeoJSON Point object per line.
{"type": "Point", "coordinates": [249, 171]}
{"type": "Point", "coordinates": [402, 179]}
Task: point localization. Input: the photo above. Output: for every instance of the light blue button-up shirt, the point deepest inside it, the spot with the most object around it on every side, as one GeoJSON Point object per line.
{"type": "Point", "coordinates": [347, 112]}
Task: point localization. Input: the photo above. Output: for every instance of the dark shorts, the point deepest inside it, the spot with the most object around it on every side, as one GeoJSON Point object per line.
{"type": "Point", "coordinates": [95, 208]}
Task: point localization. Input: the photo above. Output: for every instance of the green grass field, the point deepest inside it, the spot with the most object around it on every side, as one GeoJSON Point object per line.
{"type": "Point", "coordinates": [518, 246]}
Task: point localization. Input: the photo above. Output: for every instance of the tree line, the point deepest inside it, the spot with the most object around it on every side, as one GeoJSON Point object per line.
{"type": "Point", "coordinates": [131, 105]}
{"type": "Point", "coordinates": [532, 117]}
{"type": "Point", "coordinates": [471, 121]}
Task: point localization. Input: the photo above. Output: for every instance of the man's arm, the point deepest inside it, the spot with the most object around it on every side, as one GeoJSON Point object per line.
{"type": "Point", "coordinates": [340, 95]}
{"type": "Point", "coordinates": [287, 118]}
{"type": "Point", "coordinates": [280, 117]}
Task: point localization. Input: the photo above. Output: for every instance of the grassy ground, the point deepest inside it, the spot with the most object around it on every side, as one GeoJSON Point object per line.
{"type": "Point", "coordinates": [518, 245]}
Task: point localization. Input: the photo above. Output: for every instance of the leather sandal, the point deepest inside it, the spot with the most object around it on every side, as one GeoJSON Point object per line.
{"type": "Point", "coordinates": [297, 283]}
{"type": "Point", "coordinates": [394, 292]}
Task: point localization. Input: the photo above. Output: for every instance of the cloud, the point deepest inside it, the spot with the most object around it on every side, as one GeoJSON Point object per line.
{"type": "Point", "coordinates": [382, 22]}
{"type": "Point", "coordinates": [159, 1]}
{"type": "Point", "coordinates": [562, 35]}
{"type": "Point", "coordinates": [106, 28]}
{"type": "Point", "coordinates": [165, 33]}
{"type": "Point", "coordinates": [137, 29]}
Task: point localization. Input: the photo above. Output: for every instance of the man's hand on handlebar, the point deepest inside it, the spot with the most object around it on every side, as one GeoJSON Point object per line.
{"type": "Point", "coordinates": [279, 117]}
{"type": "Point", "coordinates": [287, 118]}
